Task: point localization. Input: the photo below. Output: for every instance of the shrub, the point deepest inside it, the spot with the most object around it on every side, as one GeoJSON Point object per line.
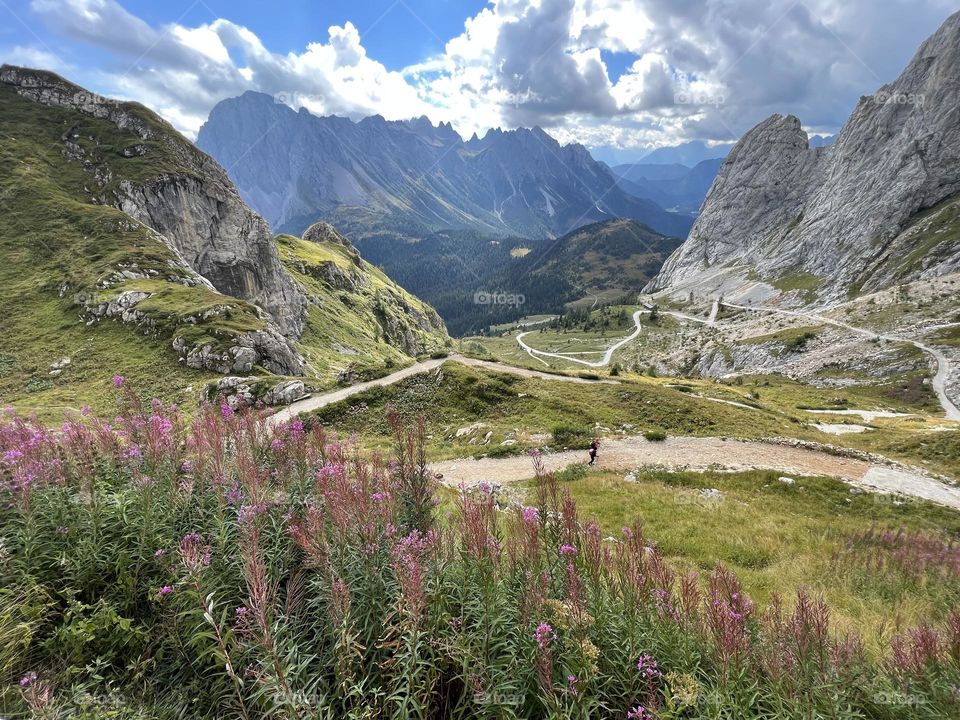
{"type": "Point", "coordinates": [655, 435]}
{"type": "Point", "coordinates": [231, 566]}
{"type": "Point", "coordinates": [572, 436]}
{"type": "Point", "coordinates": [572, 473]}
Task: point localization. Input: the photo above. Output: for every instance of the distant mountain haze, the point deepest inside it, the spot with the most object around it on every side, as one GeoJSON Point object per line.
{"type": "Point", "coordinates": [675, 187]}
{"type": "Point", "coordinates": [688, 153]}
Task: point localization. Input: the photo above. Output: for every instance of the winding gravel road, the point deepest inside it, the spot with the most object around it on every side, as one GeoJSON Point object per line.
{"type": "Point", "coordinates": [608, 353]}
{"type": "Point", "coordinates": [950, 409]}
{"type": "Point", "coordinates": [602, 362]}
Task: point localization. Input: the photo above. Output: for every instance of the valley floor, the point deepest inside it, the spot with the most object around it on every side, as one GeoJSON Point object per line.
{"type": "Point", "coordinates": [678, 453]}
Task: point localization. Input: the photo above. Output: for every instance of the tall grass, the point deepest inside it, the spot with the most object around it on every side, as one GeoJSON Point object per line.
{"type": "Point", "coordinates": [232, 567]}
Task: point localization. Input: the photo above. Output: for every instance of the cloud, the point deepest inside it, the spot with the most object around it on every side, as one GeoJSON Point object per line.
{"type": "Point", "coordinates": [700, 69]}
{"type": "Point", "coordinates": [183, 71]}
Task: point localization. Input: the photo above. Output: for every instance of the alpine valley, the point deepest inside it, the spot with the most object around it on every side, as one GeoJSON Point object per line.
{"type": "Point", "coordinates": [317, 416]}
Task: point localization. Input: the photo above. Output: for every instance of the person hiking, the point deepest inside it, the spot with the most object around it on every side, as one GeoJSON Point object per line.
{"type": "Point", "coordinates": [594, 449]}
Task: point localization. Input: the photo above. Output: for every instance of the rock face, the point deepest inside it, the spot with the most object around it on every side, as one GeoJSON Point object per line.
{"type": "Point", "coordinates": [410, 177]}
{"type": "Point", "coordinates": [845, 213]}
{"type": "Point", "coordinates": [209, 225]}
{"type": "Point", "coordinates": [196, 209]}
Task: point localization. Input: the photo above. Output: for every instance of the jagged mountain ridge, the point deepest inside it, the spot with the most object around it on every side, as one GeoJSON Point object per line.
{"type": "Point", "coordinates": [841, 216]}
{"type": "Point", "coordinates": [375, 177]}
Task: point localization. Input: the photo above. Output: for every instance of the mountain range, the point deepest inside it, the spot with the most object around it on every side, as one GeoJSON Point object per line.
{"type": "Point", "coordinates": [375, 178]}
{"type": "Point", "coordinates": [878, 206]}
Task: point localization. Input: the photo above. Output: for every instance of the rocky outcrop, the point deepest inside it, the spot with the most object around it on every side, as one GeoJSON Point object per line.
{"type": "Point", "coordinates": [243, 392]}
{"type": "Point", "coordinates": [220, 238]}
{"type": "Point", "coordinates": [266, 348]}
{"type": "Point", "coordinates": [323, 232]}
{"type": "Point", "coordinates": [239, 353]}
{"type": "Point", "coordinates": [779, 207]}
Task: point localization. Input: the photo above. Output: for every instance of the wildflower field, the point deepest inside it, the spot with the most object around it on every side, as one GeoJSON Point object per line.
{"type": "Point", "coordinates": [223, 566]}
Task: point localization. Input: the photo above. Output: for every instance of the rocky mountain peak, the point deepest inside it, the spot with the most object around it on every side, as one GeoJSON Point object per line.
{"type": "Point", "coordinates": [780, 208]}
{"type": "Point", "coordinates": [324, 232]}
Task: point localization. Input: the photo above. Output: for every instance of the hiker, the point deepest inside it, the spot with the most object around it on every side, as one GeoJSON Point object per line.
{"type": "Point", "coordinates": [594, 449]}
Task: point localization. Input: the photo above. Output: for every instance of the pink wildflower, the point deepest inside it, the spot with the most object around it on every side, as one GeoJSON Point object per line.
{"type": "Point", "coordinates": [544, 635]}
{"type": "Point", "coordinates": [647, 665]}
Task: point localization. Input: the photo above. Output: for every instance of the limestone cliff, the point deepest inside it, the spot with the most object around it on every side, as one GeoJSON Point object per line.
{"type": "Point", "coordinates": [846, 215]}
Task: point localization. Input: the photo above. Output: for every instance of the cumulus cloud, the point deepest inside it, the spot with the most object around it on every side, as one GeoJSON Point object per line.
{"type": "Point", "coordinates": [183, 71]}
{"type": "Point", "coordinates": [697, 69]}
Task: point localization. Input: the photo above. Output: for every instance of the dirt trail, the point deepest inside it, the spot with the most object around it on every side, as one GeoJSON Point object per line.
{"type": "Point", "coordinates": [699, 454]}
{"type": "Point", "coordinates": [318, 401]}
{"type": "Point", "coordinates": [607, 354]}
{"type": "Point", "coordinates": [950, 409]}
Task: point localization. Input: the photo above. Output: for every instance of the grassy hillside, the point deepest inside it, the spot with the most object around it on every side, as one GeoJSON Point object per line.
{"type": "Point", "coordinates": [61, 249]}
{"type": "Point", "coordinates": [83, 280]}
{"type": "Point", "coordinates": [616, 256]}
{"type": "Point", "coordinates": [359, 320]}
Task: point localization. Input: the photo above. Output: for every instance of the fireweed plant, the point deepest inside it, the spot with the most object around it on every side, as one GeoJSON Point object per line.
{"type": "Point", "coordinates": [226, 566]}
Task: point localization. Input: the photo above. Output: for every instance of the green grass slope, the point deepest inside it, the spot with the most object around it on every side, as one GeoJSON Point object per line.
{"type": "Point", "coordinates": [359, 320]}
{"type": "Point", "coordinates": [61, 250]}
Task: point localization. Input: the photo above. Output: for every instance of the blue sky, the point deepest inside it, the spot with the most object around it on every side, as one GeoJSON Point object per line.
{"type": "Point", "coordinates": [620, 76]}
{"type": "Point", "coordinates": [397, 34]}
